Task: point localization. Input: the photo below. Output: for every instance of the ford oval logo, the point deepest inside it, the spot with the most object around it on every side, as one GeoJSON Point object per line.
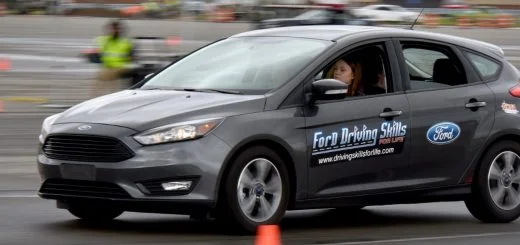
{"type": "Point", "coordinates": [443, 133]}
{"type": "Point", "coordinates": [84, 127]}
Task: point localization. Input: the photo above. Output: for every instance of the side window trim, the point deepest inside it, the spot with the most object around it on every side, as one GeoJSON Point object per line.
{"type": "Point", "coordinates": [471, 75]}
{"type": "Point", "coordinates": [397, 79]}
{"type": "Point", "coordinates": [403, 70]}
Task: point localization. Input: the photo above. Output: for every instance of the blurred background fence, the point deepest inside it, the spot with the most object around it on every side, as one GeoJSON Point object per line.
{"type": "Point", "coordinates": [482, 13]}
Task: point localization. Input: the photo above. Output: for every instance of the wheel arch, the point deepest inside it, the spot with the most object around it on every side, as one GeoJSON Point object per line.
{"type": "Point", "coordinates": [274, 143]}
{"type": "Point", "coordinates": [469, 175]}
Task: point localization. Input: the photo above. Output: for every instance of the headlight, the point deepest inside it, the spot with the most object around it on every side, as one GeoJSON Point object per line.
{"type": "Point", "coordinates": [178, 132]}
{"type": "Point", "coordinates": [46, 126]}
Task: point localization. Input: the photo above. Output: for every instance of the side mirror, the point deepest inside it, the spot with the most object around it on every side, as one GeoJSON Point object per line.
{"type": "Point", "coordinates": [329, 89]}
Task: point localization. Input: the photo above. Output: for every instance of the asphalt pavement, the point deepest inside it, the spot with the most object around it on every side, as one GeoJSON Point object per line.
{"type": "Point", "coordinates": [45, 69]}
{"type": "Point", "coordinates": [29, 219]}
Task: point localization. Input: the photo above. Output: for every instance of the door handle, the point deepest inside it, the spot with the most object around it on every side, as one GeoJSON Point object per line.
{"type": "Point", "coordinates": [390, 114]}
{"type": "Point", "coordinates": [477, 104]}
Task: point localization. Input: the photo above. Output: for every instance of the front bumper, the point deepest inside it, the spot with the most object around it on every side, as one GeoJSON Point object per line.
{"type": "Point", "coordinates": [136, 182]}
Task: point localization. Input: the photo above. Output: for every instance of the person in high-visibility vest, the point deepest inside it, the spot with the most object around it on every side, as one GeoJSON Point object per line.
{"type": "Point", "coordinates": [116, 55]}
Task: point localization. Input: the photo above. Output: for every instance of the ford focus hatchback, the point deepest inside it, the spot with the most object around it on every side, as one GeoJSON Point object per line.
{"type": "Point", "coordinates": [294, 118]}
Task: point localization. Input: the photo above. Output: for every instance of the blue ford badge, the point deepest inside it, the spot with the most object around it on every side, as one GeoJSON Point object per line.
{"type": "Point", "coordinates": [443, 133]}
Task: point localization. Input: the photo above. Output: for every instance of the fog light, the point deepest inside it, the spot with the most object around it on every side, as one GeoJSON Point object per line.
{"type": "Point", "coordinates": [176, 186]}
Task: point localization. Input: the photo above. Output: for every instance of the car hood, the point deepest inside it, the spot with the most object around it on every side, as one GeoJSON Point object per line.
{"type": "Point", "coordinates": [144, 109]}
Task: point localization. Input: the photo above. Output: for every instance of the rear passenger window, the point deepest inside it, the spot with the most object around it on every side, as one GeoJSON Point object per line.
{"type": "Point", "coordinates": [432, 66]}
{"type": "Point", "coordinates": [485, 66]}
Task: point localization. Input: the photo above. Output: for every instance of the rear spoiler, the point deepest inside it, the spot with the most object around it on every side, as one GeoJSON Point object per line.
{"type": "Point", "coordinates": [489, 46]}
{"type": "Point", "coordinates": [495, 48]}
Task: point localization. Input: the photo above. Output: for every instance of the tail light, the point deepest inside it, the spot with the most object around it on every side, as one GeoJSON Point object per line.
{"type": "Point", "coordinates": [515, 91]}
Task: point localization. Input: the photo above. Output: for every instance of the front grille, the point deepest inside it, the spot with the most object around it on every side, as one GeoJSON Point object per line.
{"type": "Point", "coordinates": [82, 188]}
{"type": "Point", "coordinates": [86, 148]}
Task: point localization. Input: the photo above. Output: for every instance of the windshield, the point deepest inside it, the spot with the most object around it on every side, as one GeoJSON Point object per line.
{"type": "Point", "coordinates": [247, 64]}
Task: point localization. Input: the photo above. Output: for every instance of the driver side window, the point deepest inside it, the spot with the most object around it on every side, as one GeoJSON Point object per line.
{"type": "Point", "coordinates": [365, 70]}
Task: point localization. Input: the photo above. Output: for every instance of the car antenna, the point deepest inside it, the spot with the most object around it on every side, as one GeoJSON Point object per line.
{"type": "Point", "coordinates": [413, 24]}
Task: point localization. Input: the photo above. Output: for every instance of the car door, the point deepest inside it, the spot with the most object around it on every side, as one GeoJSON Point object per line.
{"type": "Point", "coordinates": [452, 112]}
{"type": "Point", "coordinates": [360, 143]}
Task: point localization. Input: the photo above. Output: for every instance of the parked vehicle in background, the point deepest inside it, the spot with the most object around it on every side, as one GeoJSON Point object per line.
{"type": "Point", "coordinates": [454, 4]}
{"type": "Point", "coordinates": [386, 13]}
{"type": "Point", "coordinates": [317, 16]}
{"type": "Point", "coordinates": [26, 6]}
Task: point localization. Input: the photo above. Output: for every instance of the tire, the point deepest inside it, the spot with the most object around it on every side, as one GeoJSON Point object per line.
{"type": "Point", "coordinates": [231, 211]}
{"type": "Point", "coordinates": [480, 202]}
{"type": "Point", "coordinates": [91, 214]}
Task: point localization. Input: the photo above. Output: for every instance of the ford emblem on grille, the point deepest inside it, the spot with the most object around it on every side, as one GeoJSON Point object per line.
{"type": "Point", "coordinates": [84, 127]}
{"type": "Point", "coordinates": [443, 133]}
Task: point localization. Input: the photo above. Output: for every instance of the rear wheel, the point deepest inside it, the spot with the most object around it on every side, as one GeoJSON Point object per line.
{"type": "Point", "coordinates": [495, 194]}
{"type": "Point", "coordinates": [256, 189]}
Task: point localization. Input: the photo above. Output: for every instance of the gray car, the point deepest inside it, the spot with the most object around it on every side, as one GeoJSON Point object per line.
{"type": "Point", "coordinates": [272, 120]}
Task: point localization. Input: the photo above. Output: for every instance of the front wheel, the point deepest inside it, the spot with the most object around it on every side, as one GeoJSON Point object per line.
{"type": "Point", "coordinates": [257, 189]}
{"type": "Point", "coordinates": [495, 196]}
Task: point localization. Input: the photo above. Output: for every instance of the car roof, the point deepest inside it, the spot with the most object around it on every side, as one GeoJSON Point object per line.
{"type": "Point", "coordinates": [322, 32]}
{"type": "Point", "coordinates": [341, 32]}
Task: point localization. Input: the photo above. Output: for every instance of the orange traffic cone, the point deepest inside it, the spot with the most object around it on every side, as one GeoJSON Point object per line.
{"type": "Point", "coordinates": [174, 41]}
{"type": "Point", "coordinates": [268, 235]}
{"type": "Point", "coordinates": [5, 64]}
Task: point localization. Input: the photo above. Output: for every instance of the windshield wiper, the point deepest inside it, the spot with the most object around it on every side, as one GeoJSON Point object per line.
{"type": "Point", "coordinates": [224, 91]}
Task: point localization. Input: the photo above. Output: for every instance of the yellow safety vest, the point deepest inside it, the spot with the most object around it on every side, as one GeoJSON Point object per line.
{"type": "Point", "coordinates": [115, 53]}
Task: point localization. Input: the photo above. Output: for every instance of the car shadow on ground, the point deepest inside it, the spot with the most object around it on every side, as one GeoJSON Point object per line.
{"type": "Point", "coordinates": [296, 222]}
{"type": "Point", "coordinates": [371, 218]}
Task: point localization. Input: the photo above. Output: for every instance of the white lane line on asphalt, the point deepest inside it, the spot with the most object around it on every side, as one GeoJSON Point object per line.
{"type": "Point", "coordinates": [52, 70]}
{"type": "Point", "coordinates": [515, 58]}
{"type": "Point", "coordinates": [510, 47]}
{"type": "Point", "coordinates": [18, 196]}
{"type": "Point", "coordinates": [11, 115]}
{"type": "Point", "coordinates": [41, 58]}
{"type": "Point", "coordinates": [426, 238]}
{"type": "Point", "coordinates": [82, 41]}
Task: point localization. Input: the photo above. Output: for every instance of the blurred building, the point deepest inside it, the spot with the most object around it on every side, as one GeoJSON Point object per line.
{"type": "Point", "coordinates": [507, 4]}
{"type": "Point", "coordinates": [108, 1]}
{"type": "Point", "coordinates": [355, 3]}
{"type": "Point", "coordinates": [414, 3]}
{"type": "Point", "coordinates": [441, 3]}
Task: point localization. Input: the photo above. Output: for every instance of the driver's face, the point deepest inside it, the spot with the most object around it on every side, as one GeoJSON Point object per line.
{"type": "Point", "coordinates": [343, 72]}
